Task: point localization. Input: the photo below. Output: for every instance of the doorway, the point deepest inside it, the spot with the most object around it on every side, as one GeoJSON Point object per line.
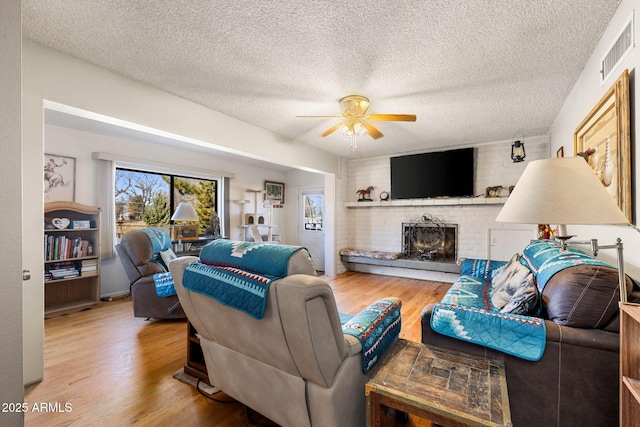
{"type": "Point", "coordinates": [311, 223]}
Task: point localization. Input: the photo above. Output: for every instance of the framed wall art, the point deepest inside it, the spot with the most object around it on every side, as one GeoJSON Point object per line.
{"type": "Point", "coordinates": [274, 191]}
{"type": "Point", "coordinates": [603, 140]}
{"type": "Point", "coordinates": [59, 178]}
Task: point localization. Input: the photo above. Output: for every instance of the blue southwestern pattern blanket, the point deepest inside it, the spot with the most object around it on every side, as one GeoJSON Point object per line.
{"type": "Point", "coordinates": [164, 284]}
{"type": "Point", "coordinates": [263, 258]}
{"type": "Point", "coordinates": [376, 327]}
{"type": "Point", "coordinates": [229, 286]}
{"type": "Point", "coordinates": [466, 313]}
{"type": "Point", "coordinates": [238, 274]}
{"type": "Point", "coordinates": [159, 239]}
{"type": "Point", "coordinates": [520, 336]}
{"type": "Point", "coordinates": [482, 268]}
{"type": "Point", "coordinates": [545, 258]}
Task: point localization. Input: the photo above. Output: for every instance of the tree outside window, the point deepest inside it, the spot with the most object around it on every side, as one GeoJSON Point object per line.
{"type": "Point", "coordinates": [146, 199]}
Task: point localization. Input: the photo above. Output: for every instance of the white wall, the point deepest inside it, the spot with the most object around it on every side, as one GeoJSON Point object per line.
{"type": "Point", "coordinates": [342, 227]}
{"type": "Point", "coordinates": [584, 96]}
{"type": "Point", "coordinates": [11, 350]}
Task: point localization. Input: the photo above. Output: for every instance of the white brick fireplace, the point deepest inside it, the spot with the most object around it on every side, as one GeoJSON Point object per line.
{"type": "Point", "coordinates": [377, 225]}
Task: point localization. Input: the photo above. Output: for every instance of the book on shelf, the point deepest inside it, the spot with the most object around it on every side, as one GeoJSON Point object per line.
{"type": "Point", "coordinates": [63, 247]}
{"type": "Point", "coordinates": [62, 270]}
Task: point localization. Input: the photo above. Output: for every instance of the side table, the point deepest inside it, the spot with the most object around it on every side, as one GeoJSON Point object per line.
{"type": "Point", "coordinates": [195, 365]}
{"type": "Point", "coordinates": [191, 247]}
{"type": "Point", "coordinates": [445, 387]}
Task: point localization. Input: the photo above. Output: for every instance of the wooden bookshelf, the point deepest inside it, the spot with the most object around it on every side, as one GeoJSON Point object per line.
{"type": "Point", "coordinates": [72, 257]}
{"type": "Point", "coordinates": [629, 364]}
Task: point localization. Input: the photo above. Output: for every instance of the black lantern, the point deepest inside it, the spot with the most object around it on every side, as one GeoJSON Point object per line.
{"type": "Point", "coordinates": [517, 149]}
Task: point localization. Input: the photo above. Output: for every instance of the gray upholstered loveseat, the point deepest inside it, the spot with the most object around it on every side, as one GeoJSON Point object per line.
{"type": "Point", "coordinates": [289, 359]}
{"type": "Point", "coordinates": [575, 379]}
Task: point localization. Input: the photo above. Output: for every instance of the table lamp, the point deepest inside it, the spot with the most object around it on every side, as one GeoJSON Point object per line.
{"type": "Point", "coordinates": [185, 212]}
{"type": "Point", "coordinates": [564, 191]}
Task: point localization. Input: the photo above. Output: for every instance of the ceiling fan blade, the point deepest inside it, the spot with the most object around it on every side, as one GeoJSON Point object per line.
{"type": "Point", "coordinates": [331, 130]}
{"type": "Point", "coordinates": [393, 117]}
{"type": "Point", "coordinates": [373, 132]}
{"type": "Point", "coordinates": [319, 117]}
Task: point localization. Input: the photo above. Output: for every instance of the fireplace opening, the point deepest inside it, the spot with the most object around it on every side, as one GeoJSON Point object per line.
{"type": "Point", "coordinates": [430, 241]}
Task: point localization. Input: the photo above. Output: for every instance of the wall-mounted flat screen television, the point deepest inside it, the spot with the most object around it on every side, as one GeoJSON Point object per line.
{"type": "Point", "coordinates": [439, 174]}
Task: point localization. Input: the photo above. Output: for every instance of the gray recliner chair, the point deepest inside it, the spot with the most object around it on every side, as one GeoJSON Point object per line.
{"type": "Point", "coordinates": [140, 262]}
{"type": "Point", "coordinates": [294, 365]}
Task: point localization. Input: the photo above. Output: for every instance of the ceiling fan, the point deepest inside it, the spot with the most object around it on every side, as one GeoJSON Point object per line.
{"type": "Point", "coordinates": [355, 120]}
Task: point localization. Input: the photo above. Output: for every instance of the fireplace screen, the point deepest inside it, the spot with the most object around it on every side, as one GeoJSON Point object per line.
{"type": "Point", "coordinates": [430, 241]}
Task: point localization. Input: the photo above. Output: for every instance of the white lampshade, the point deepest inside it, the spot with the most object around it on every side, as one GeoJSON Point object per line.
{"type": "Point", "coordinates": [185, 212]}
{"type": "Point", "coordinates": [560, 191]}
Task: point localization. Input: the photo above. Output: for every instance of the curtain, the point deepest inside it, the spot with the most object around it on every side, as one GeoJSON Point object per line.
{"type": "Point", "coordinates": [106, 200]}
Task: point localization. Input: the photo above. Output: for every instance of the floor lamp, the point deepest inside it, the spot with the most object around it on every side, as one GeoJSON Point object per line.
{"type": "Point", "coordinates": [565, 191]}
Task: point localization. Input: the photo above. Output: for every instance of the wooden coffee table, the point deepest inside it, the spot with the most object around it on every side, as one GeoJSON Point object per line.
{"type": "Point", "coordinates": [445, 387]}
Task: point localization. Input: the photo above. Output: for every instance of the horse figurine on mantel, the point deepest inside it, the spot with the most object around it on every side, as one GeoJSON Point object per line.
{"type": "Point", "coordinates": [365, 195]}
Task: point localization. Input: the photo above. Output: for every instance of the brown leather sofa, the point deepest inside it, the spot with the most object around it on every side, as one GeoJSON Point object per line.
{"type": "Point", "coordinates": [140, 263]}
{"type": "Point", "coordinates": [576, 380]}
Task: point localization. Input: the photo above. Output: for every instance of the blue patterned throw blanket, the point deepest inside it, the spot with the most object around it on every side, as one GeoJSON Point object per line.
{"type": "Point", "coordinates": [376, 327]}
{"type": "Point", "coordinates": [545, 258]}
{"type": "Point", "coordinates": [159, 239]}
{"type": "Point", "coordinates": [466, 313]}
{"type": "Point", "coordinates": [520, 336]}
{"type": "Point", "coordinates": [229, 286]}
{"type": "Point", "coordinates": [238, 274]}
{"type": "Point", "coordinates": [484, 268]}
{"type": "Point", "coordinates": [164, 284]}
{"type": "Point", "coordinates": [263, 258]}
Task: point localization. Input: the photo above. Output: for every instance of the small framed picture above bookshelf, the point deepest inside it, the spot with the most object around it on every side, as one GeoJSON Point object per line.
{"type": "Point", "coordinates": [59, 178]}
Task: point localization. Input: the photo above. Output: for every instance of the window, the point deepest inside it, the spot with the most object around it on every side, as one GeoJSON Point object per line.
{"type": "Point", "coordinates": [313, 206]}
{"type": "Point", "coordinates": [148, 199]}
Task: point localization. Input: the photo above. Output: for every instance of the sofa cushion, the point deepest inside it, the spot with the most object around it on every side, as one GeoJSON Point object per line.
{"type": "Point", "coordinates": [167, 256]}
{"type": "Point", "coordinates": [525, 300]}
{"type": "Point", "coordinates": [506, 282]}
{"type": "Point", "coordinates": [583, 296]}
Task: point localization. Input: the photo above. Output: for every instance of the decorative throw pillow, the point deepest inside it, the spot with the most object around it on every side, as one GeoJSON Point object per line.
{"type": "Point", "coordinates": [525, 300]}
{"type": "Point", "coordinates": [505, 283]}
{"type": "Point", "coordinates": [167, 256]}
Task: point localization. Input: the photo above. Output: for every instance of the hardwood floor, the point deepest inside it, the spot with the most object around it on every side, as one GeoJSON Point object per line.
{"type": "Point", "coordinates": [105, 367]}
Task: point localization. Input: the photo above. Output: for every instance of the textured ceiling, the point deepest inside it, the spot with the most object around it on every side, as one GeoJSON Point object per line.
{"type": "Point", "coordinates": [472, 71]}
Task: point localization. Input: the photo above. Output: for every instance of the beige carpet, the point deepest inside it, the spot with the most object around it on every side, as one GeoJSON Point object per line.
{"type": "Point", "coordinates": [193, 381]}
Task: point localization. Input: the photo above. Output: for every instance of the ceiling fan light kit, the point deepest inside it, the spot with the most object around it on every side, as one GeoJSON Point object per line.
{"type": "Point", "coordinates": [356, 121]}
{"type": "Point", "coordinates": [352, 129]}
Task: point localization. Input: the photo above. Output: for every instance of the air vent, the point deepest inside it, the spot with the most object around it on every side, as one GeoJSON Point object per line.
{"type": "Point", "coordinates": [618, 51]}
